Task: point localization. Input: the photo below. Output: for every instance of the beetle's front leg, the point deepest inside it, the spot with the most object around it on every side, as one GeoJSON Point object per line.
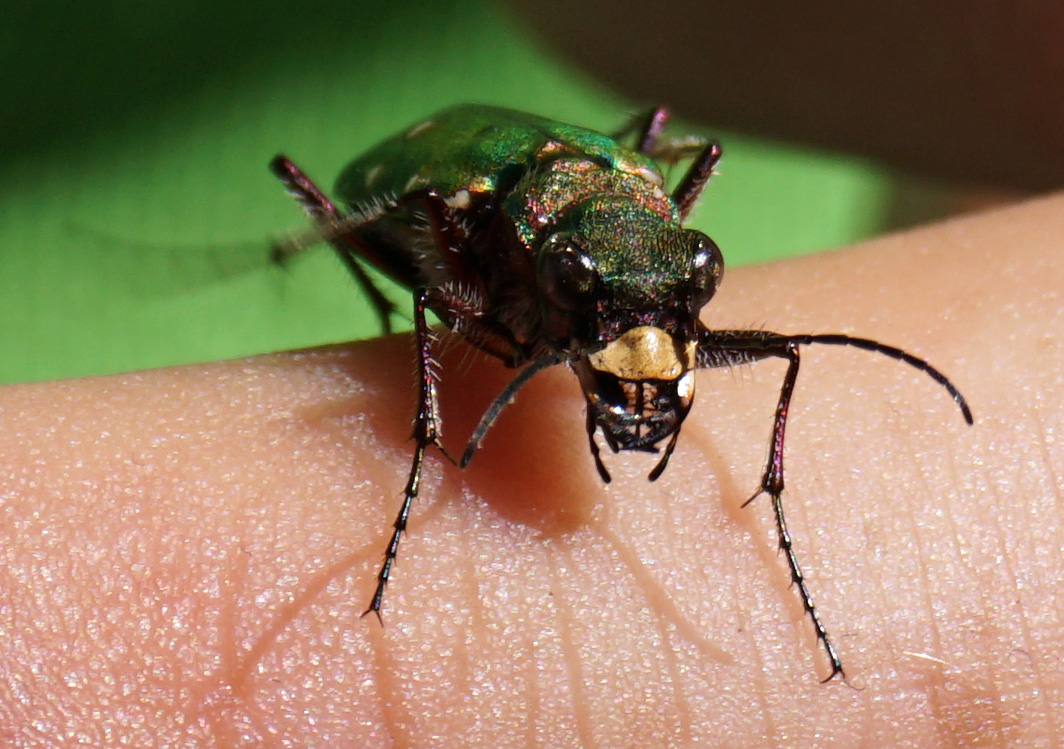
{"type": "Point", "coordinates": [727, 348]}
{"type": "Point", "coordinates": [461, 308]}
{"type": "Point", "coordinates": [426, 432]}
{"type": "Point", "coordinates": [772, 484]}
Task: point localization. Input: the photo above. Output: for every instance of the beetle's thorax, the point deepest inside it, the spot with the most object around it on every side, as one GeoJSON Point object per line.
{"type": "Point", "coordinates": [546, 193]}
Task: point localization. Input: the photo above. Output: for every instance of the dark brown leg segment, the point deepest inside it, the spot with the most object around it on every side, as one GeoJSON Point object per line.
{"type": "Point", "coordinates": [462, 311]}
{"type": "Point", "coordinates": [647, 126]}
{"type": "Point", "coordinates": [772, 484]}
{"type": "Point", "coordinates": [690, 188]}
{"type": "Point", "coordinates": [426, 432]}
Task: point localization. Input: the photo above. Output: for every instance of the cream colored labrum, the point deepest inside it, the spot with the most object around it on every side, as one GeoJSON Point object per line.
{"type": "Point", "coordinates": [645, 353]}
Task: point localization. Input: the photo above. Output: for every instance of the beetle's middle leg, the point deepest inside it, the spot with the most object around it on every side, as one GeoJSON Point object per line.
{"type": "Point", "coordinates": [690, 187]}
{"type": "Point", "coordinates": [325, 212]}
{"type": "Point", "coordinates": [647, 126]}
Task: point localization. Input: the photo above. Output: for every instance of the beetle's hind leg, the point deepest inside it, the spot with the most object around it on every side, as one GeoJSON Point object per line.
{"type": "Point", "coordinates": [334, 227]}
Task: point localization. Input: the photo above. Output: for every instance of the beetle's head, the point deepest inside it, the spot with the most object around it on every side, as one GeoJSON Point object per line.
{"type": "Point", "coordinates": [621, 287]}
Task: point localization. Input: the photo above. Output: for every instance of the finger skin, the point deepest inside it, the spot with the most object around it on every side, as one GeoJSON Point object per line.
{"type": "Point", "coordinates": [186, 552]}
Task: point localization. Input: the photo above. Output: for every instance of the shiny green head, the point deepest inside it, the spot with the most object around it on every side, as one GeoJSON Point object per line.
{"type": "Point", "coordinates": [611, 262]}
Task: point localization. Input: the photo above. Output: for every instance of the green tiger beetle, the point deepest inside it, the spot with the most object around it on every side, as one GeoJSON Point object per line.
{"type": "Point", "coordinates": [542, 243]}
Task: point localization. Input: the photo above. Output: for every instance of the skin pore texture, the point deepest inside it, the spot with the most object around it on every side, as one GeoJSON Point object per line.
{"type": "Point", "coordinates": [186, 552]}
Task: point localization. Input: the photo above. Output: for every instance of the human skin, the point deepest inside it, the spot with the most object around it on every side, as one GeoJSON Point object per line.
{"type": "Point", "coordinates": [187, 552]}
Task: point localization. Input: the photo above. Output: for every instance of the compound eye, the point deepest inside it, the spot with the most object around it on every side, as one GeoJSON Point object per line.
{"type": "Point", "coordinates": [707, 269]}
{"type": "Point", "coordinates": [567, 275]}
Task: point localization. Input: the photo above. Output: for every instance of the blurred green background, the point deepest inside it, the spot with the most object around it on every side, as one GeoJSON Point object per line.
{"type": "Point", "coordinates": [136, 205]}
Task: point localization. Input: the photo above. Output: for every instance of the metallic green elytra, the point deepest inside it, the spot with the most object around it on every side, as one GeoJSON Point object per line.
{"type": "Point", "coordinates": [481, 150]}
{"type": "Point", "coordinates": [542, 243]}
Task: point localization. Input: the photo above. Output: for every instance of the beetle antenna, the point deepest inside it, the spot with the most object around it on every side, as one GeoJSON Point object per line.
{"type": "Point", "coordinates": [294, 244]}
{"type": "Point", "coordinates": [505, 398]}
{"type": "Point", "coordinates": [326, 230]}
{"type": "Point", "coordinates": [834, 339]}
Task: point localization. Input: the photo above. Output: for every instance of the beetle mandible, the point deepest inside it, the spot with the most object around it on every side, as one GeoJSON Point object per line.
{"type": "Point", "coordinates": [542, 243]}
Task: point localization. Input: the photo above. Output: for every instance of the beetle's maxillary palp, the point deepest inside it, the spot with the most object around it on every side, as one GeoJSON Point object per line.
{"type": "Point", "coordinates": [660, 467]}
{"type": "Point", "coordinates": [592, 427]}
{"type": "Point", "coordinates": [502, 400]}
